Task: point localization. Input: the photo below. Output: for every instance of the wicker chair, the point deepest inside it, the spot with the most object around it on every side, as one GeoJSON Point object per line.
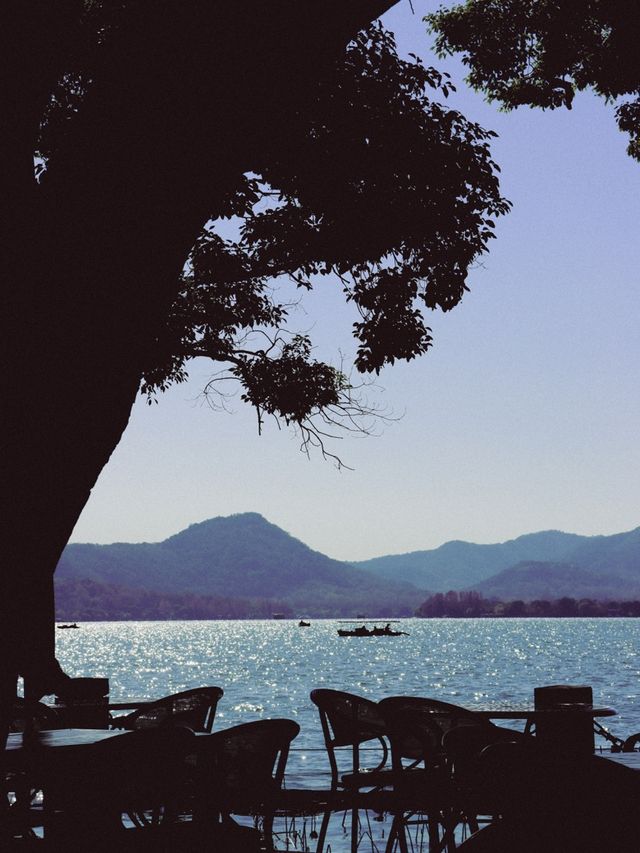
{"type": "Point", "coordinates": [446, 714]}
{"type": "Point", "coordinates": [240, 771]}
{"type": "Point", "coordinates": [471, 734]}
{"type": "Point", "coordinates": [349, 721]}
{"type": "Point", "coordinates": [422, 785]}
{"type": "Point", "coordinates": [458, 737]}
{"type": "Point", "coordinates": [195, 709]}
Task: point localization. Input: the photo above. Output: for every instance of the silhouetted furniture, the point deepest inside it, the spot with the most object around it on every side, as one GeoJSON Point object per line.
{"type": "Point", "coordinates": [30, 714]}
{"type": "Point", "coordinates": [422, 784]}
{"type": "Point", "coordinates": [83, 703]}
{"type": "Point", "coordinates": [630, 743]}
{"type": "Point", "coordinates": [458, 737]}
{"type": "Point", "coordinates": [240, 771]}
{"type": "Point", "coordinates": [22, 790]}
{"type": "Point", "coordinates": [88, 790]}
{"type": "Point", "coordinates": [564, 728]}
{"type": "Point", "coordinates": [616, 743]}
{"type": "Point", "coordinates": [558, 803]}
{"type": "Point", "coordinates": [449, 716]}
{"type": "Point", "coordinates": [473, 731]}
{"type": "Point", "coordinates": [194, 708]}
{"type": "Point", "coordinates": [349, 721]}
{"type": "Point", "coordinates": [27, 756]}
{"type": "Point", "coordinates": [494, 838]}
{"type": "Point", "coordinates": [92, 777]}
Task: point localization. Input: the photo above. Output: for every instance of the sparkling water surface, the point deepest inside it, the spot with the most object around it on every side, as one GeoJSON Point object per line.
{"type": "Point", "coordinates": [268, 668]}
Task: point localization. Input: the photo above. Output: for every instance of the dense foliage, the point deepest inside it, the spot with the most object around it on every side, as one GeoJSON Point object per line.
{"type": "Point", "coordinates": [470, 604]}
{"type": "Point", "coordinates": [145, 121]}
{"type": "Point", "coordinates": [540, 52]}
{"type": "Point", "coordinates": [87, 600]}
{"type": "Point", "coordinates": [374, 184]}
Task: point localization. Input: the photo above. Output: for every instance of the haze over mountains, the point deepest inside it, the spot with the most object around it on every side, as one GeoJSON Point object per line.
{"type": "Point", "coordinates": [548, 564]}
{"type": "Point", "coordinates": [242, 565]}
{"type": "Point", "coordinates": [237, 557]}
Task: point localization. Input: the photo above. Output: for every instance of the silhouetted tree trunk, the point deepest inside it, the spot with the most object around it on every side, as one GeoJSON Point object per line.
{"type": "Point", "coordinates": [90, 258]}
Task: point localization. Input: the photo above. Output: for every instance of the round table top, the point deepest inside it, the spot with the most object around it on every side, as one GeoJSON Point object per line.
{"type": "Point", "coordinates": [58, 738]}
{"type": "Point", "coordinates": [538, 713]}
{"type": "Point", "coordinates": [54, 738]}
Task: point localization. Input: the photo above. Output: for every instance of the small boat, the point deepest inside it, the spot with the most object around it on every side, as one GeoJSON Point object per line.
{"type": "Point", "coordinates": [71, 625]}
{"type": "Point", "coordinates": [303, 624]}
{"type": "Point", "coordinates": [363, 631]}
{"type": "Point", "coordinates": [277, 616]}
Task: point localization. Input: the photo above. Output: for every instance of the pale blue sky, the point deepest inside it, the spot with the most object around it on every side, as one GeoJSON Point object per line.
{"type": "Point", "coordinates": [524, 416]}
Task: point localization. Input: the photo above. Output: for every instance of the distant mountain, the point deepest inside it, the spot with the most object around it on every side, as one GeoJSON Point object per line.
{"type": "Point", "coordinates": [242, 564]}
{"type": "Point", "coordinates": [550, 564]}
{"type": "Point", "coordinates": [460, 565]}
{"type": "Point", "coordinates": [618, 555]}
{"type": "Point", "coordinates": [536, 580]}
{"type": "Point", "coordinates": [240, 556]}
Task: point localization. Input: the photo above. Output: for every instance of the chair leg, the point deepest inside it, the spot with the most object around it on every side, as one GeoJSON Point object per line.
{"type": "Point", "coordinates": [449, 824]}
{"type": "Point", "coordinates": [472, 823]}
{"type": "Point", "coordinates": [267, 831]}
{"type": "Point", "coordinates": [354, 830]}
{"type": "Point", "coordinates": [397, 832]}
{"type": "Point", "coordinates": [433, 831]}
{"type": "Point", "coordinates": [324, 826]}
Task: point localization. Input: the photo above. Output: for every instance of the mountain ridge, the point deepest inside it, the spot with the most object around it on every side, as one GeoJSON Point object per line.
{"type": "Point", "coordinates": [548, 580]}
{"type": "Point", "coordinates": [246, 557]}
{"type": "Point", "coordinates": [458, 564]}
{"type": "Point", "coordinates": [241, 555]}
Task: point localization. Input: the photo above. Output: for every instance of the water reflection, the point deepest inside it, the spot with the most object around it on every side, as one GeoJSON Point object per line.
{"type": "Point", "coordinates": [267, 669]}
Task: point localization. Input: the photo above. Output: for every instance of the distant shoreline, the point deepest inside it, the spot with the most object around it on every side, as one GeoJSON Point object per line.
{"type": "Point", "coordinates": [294, 619]}
{"type": "Point", "coordinates": [471, 604]}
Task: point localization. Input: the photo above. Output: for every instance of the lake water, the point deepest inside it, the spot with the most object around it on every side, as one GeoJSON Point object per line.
{"type": "Point", "coordinates": [268, 668]}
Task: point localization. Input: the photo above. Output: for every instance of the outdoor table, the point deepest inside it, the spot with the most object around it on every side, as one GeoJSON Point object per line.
{"type": "Point", "coordinates": [567, 727]}
{"type": "Point", "coordinates": [33, 753]}
{"type": "Point", "coordinates": [92, 714]}
{"type": "Point", "coordinates": [29, 755]}
{"type": "Point", "coordinates": [25, 750]}
{"type": "Point", "coordinates": [74, 716]}
{"type": "Point", "coordinates": [533, 714]}
{"type": "Point", "coordinates": [125, 705]}
{"type": "Point", "coordinates": [130, 704]}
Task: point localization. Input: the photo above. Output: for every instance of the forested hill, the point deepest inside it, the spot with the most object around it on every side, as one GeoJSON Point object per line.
{"type": "Point", "coordinates": [463, 565]}
{"type": "Point", "coordinates": [244, 565]}
{"type": "Point", "coordinates": [531, 581]}
{"type": "Point", "coordinates": [240, 556]}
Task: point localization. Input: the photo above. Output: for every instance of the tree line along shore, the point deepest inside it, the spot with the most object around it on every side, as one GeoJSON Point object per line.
{"type": "Point", "coordinates": [470, 604]}
{"type": "Point", "coordinates": [85, 600]}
